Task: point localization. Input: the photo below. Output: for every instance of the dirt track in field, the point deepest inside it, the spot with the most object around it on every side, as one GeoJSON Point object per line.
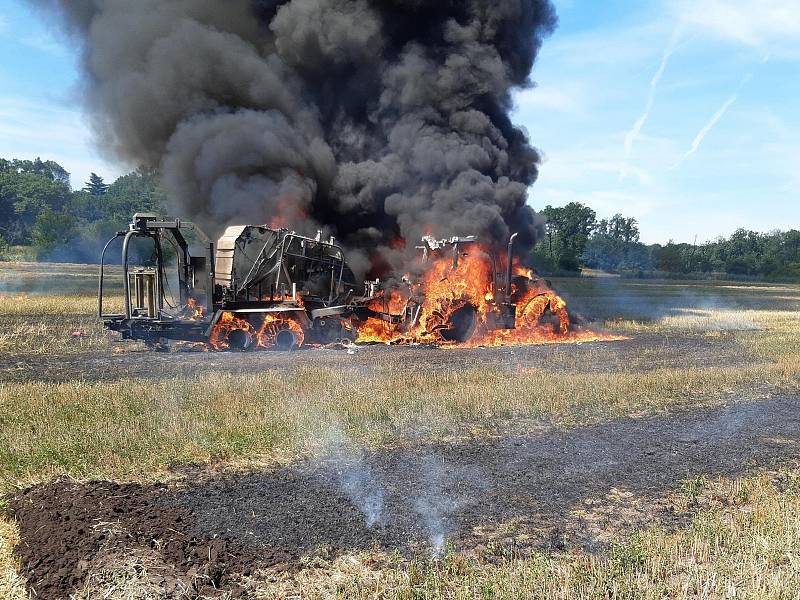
{"type": "Point", "coordinates": [640, 353]}
{"type": "Point", "coordinates": [207, 531]}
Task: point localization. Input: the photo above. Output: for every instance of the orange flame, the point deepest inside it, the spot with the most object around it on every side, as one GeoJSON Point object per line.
{"type": "Point", "coordinates": [228, 323]}
{"type": "Point", "coordinates": [264, 338]}
{"type": "Point", "coordinates": [196, 311]}
{"type": "Point", "coordinates": [445, 291]}
{"type": "Point", "coordinates": [272, 327]}
{"type": "Point", "coordinates": [448, 305]}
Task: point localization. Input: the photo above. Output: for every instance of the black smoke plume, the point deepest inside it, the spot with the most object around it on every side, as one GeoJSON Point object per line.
{"type": "Point", "coordinates": [380, 120]}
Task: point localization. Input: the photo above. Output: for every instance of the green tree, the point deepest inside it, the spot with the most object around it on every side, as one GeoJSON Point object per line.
{"type": "Point", "coordinates": [52, 230]}
{"type": "Point", "coordinates": [26, 189]}
{"type": "Point", "coordinates": [792, 245]}
{"type": "Point", "coordinates": [99, 218]}
{"type": "Point", "coordinates": [568, 229]}
{"type": "Point", "coordinates": [614, 244]}
{"type": "Point", "coordinates": [669, 258]}
{"type": "Point", "coordinates": [43, 168]}
{"type": "Point", "coordinates": [96, 186]}
{"type": "Point", "coordinates": [135, 192]}
{"type": "Point", "coordinates": [38, 208]}
{"type": "Point", "coordinates": [622, 228]}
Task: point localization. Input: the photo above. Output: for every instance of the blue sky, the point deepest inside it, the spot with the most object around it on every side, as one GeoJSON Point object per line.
{"type": "Point", "coordinates": [681, 113]}
{"type": "Point", "coordinates": [40, 97]}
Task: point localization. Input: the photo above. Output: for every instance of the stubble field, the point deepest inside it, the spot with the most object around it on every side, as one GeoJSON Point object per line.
{"type": "Point", "coordinates": [665, 465]}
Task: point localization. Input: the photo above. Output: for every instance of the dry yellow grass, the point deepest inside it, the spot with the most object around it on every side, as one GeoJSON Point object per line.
{"type": "Point", "coordinates": [35, 324]}
{"type": "Point", "coordinates": [12, 587]}
{"type": "Point", "coordinates": [744, 543]}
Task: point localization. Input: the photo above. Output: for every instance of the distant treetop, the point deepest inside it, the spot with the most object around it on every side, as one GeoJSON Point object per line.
{"type": "Point", "coordinates": [96, 186]}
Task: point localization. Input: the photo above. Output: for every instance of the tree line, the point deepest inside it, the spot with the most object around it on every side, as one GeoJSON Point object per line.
{"type": "Point", "coordinates": [575, 239]}
{"type": "Point", "coordinates": [40, 211]}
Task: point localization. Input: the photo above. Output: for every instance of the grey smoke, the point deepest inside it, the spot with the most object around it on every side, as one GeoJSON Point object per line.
{"type": "Point", "coordinates": [433, 506]}
{"type": "Point", "coordinates": [355, 477]}
{"type": "Point", "coordinates": [420, 489]}
{"type": "Point", "coordinates": [375, 118]}
{"type": "Point", "coordinates": [443, 490]}
{"type": "Point", "coordinates": [251, 165]}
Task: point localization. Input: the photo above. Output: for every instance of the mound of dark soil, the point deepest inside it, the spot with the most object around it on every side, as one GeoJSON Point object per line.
{"type": "Point", "coordinates": [65, 526]}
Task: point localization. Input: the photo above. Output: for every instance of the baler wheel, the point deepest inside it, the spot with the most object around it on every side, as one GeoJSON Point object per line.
{"type": "Point", "coordinates": [240, 340]}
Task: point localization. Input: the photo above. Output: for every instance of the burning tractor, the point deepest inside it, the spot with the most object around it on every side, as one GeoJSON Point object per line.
{"type": "Point", "coordinates": [263, 288]}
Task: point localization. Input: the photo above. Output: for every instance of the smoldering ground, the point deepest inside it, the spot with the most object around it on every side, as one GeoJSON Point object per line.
{"type": "Point", "coordinates": [643, 353]}
{"type": "Point", "coordinates": [440, 487]}
{"type": "Point", "coordinates": [378, 120]}
{"type": "Point", "coordinates": [699, 306]}
{"type": "Point", "coordinates": [548, 489]}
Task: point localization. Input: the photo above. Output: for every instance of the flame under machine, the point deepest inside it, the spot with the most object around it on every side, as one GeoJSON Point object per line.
{"type": "Point", "coordinates": [462, 322]}
{"type": "Point", "coordinates": [257, 278]}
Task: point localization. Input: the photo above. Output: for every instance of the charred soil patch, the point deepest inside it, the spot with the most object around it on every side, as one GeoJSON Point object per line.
{"type": "Point", "coordinates": [640, 353]}
{"type": "Point", "coordinates": [544, 488]}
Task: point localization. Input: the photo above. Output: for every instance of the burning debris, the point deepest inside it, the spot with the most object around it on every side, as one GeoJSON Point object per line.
{"type": "Point", "coordinates": [462, 298]}
{"type": "Point", "coordinates": [264, 288]}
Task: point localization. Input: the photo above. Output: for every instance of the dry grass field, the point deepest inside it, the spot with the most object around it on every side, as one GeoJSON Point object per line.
{"type": "Point", "coordinates": [662, 466]}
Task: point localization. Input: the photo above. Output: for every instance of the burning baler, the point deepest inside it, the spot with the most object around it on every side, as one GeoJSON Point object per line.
{"type": "Point", "coordinates": [260, 287]}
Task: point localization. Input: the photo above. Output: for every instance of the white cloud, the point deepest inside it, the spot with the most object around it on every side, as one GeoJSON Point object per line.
{"type": "Point", "coordinates": [30, 129]}
{"type": "Point", "coordinates": [571, 170]}
{"type": "Point", "coordinates": [564, 98]}
{"type": "Point", "coordinates": [783, 162]}
{"type": "Point", "coordinates": [3, 23]}
{"type": "Point", "coordinates": [606, 203]}
{"type": "Point", "coordinates": [761, 23]}
{"type": "Point", "coordinates": [627, 170]}
{"type": "Point", "coordinates": [673, 96]}
{"type": "Point", "coordinates": [616, 48]}
{"type": "Point", "coordinates": [701, 135]}
{"type": "Point", "coordinates": [19, 118]}
{"type": "Point", "coordinates": [44, 43]}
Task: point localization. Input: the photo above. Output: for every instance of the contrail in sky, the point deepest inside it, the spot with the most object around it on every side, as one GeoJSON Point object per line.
{"type": "Point", "coordinates": [715, 118]}
{"type": "Point", "coordinates": [633, 134]}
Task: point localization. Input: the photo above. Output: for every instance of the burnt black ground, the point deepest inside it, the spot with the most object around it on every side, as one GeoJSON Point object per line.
{"type": "Point", "coordinates": [640, 353]}
{"type": "Point", "coordinates": [546, 484]}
